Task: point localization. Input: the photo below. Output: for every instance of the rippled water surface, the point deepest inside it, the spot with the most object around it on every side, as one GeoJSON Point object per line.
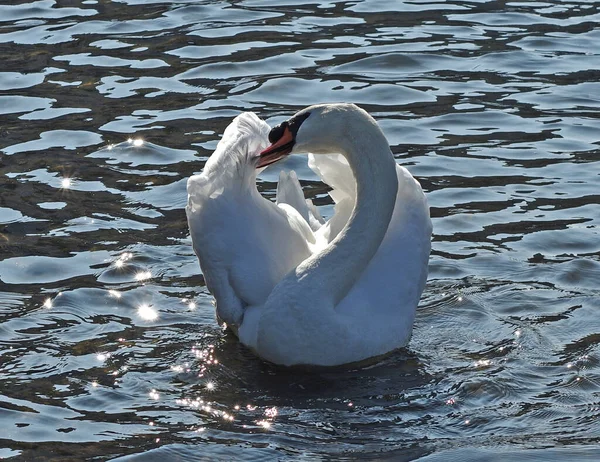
{"type": "Point", "coordinates": [108, 344]}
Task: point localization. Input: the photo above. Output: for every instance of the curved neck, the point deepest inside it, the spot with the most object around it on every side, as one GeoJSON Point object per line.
{"type": "Point", "coordinates": [335, 270]}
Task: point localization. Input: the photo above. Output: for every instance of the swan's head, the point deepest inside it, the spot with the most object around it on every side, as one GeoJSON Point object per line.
{"type": "Point", "coordinates": [316, 129]}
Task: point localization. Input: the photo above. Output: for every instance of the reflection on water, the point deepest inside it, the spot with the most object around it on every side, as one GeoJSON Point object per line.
{"type": "Point", "coordinates": [107, 333]}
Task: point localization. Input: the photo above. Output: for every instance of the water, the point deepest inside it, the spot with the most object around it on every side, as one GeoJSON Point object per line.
{"type": "Point", "coordinates": [109, 347]}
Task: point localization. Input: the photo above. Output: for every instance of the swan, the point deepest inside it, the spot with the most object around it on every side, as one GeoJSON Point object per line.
{"type": "Point", "coordinates": [296, 289]}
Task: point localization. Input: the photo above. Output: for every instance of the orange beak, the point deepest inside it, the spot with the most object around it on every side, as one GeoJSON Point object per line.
{"type": "Point", "coordinates": [279, 149]}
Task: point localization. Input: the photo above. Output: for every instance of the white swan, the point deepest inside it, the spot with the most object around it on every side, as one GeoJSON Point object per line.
{"type": "Point", "coordinates": [296, 291]}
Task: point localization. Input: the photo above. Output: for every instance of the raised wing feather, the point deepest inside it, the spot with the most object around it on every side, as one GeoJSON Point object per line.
{"type": "Point", "coordinates": [245, 243]}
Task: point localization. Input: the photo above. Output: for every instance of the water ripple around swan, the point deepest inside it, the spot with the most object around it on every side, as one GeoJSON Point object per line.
{"type": "Point", "coordinates": [107, 331]}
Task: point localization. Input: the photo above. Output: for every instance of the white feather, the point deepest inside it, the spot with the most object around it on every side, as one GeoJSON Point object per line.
{"type": "Point", "coordinates": [296, 289]}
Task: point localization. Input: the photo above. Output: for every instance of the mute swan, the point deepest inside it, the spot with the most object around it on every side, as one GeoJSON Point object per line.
{"type": "Point", "coordinates": [295, 289]}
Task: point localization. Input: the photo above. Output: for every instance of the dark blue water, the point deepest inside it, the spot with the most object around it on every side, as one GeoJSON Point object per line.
{"type": "Point", "coordinates": [108, 344]}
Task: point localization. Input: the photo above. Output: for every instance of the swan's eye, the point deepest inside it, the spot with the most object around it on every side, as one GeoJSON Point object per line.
{"type": "Point", "coordinates": [277, 132]}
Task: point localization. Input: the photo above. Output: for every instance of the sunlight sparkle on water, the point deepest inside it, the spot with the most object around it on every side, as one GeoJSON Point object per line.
{"type": "Point", "coordinates": [136, 142]}
{"type": "Point", "coordinates": [271, 412]}
{"type": "Point", "coordinates": [114, 293]}
{"type": "Point", "coordinates": [120, 262]}
{"type": "Point", "coordinates": [143, 275]}
{"type": "Point", "coordinates": [264, 424]}
{"type": "Point", "coordinates": [147, 312]}
{"type": "Point", "coordinates": [102, 356]}
{"type": "Point", "coordinates": [65, 183]}
{"type": "Point", "coordinates": [210, 386]}
{"type": "Point", "coordinates": [48, 303]}
{"type": "Point", "coordinates": [483, 363]}
{"type": "Point", "coordinates": [197, 403]}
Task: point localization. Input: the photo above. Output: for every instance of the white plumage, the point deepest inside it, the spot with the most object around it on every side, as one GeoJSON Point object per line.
{"type": "Point", "coordinates": [297, 289]}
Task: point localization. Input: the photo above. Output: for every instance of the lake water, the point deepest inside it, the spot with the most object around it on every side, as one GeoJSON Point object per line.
{"type": "Point", "coordinates": [108, 344]}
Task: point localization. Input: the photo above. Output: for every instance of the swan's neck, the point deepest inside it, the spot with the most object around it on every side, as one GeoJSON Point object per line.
{"type": "Point", "coordinates": [338, 266]}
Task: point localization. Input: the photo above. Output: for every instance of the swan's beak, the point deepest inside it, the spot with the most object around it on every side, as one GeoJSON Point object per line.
{"type": "Point", "coordinates": [279, 149]}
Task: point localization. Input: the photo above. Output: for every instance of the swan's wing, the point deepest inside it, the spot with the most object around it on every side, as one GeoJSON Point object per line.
{"type": "Point", "coordinates": [396, 276]}
{"type": "Point", "coordinates": [212, 209]}
{"type": "Point", "coordinates": [334, 170]}
{"type": "Point", "coordinates": [342, 211]}
{"type": "Point", "coordinates": [231, 165]}
{"type": "Point", "coordinates": [245, 243]}
{"type": "Point", "coordinates": [290, 192]}
{"type": "Point", "coordinates": [211, 239]}
{"type": "Point", "coordinates": [315, 219]}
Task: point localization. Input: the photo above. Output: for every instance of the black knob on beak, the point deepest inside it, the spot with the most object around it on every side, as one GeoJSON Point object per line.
{"type": "Point", "coordinates": [277, 132]}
